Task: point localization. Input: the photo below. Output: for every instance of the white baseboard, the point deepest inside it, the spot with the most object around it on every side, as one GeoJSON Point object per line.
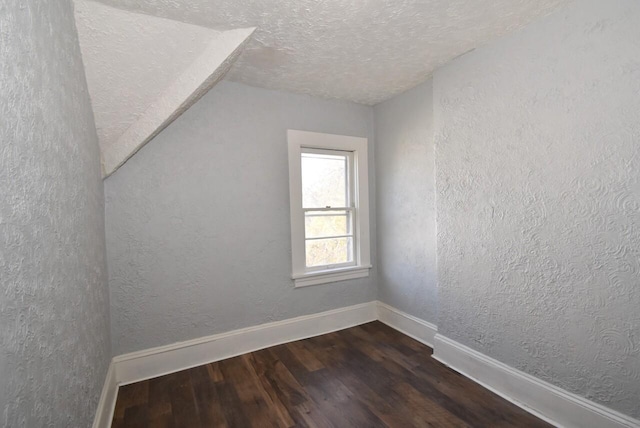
{"type": "Point", "coordinates": [162, 360]}
{"type": "Point", "coordinates": [416, 328]}
{"type": "Point", "coordinates": [107, 403]}
{"type": "Point", "coordinates": [547, 401]}
{"type": "Point", "coordinates": [540, 398]}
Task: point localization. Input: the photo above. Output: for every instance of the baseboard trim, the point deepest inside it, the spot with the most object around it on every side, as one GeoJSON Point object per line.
{"type": "Point", "coordinates": [107, 402]}
{"type": "Point", "coordinates": [150, 363]}
{"type": "Point", "coordinates": [414, 327]}
{"type": "Point", "coordinates": [549, 402]}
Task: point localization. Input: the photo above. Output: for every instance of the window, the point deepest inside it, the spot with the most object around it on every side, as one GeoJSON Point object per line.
{"type": "Point", "coordinates": [328, 186]}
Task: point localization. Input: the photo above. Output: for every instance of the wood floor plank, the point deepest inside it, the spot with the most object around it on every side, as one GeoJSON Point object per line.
{"type": "Point", "coordinates": [478, 401]}
{"type": "Point", "coordinates": [428, 412]}
{"type": "Point", "coordinates": [306, 356]}
{"type": "Point", "coordinates": [134, 394]}
{"type": "Point", "coordinates": [214, 372]}
{"type": "Point", "coordinates": [136, 416]}
{"type": "Point", "coordinates": [339, 404]}
{"type": "Point", "coordinates": [206, 397]}
{"type": "Point", "coordinates": [399, 406]}
{"type": "Point", "coordinates": [283, 384]}
{"type": "Point", "coordinates": [246, 384]}
{"type": "Point", "coordinates": [329, 393]}
{"type": "Point", "coordinates": [183, 405]}
{"type": "Point", "coordinates": [480, 408]}
{"type": "Point", "coordinates": [366, 376]}
{"type": "Point", "coordinates": [160, 410]}
{"type": "Point", "coordinates": [382, 375]}
{"type": "Point", "coordinates": [266, 390]}
{"type": "Point", "coordinates": [378, 402]}
{"type": "Point", "coordinates": [232, 408]}
{"type": "Point", "coordinates": [288, 391]}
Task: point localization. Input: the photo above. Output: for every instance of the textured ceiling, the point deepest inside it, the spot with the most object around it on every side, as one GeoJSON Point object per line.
{"type": "Point", "coordinates": [130, 59]}
{"type": "Point", "coordinates": [365, 50]}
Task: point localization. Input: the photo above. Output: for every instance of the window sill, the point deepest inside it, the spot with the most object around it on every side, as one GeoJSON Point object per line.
{"type": "Point", "coordinates": [335, 275]}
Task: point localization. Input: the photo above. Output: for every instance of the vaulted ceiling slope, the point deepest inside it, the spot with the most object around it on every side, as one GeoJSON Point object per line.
{"type": "Point", "coordinates": [144, 71]}
{"type": "Point", "coordinates": [365, 51]}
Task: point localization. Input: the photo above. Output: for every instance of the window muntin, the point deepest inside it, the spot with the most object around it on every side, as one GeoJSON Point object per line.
{"type": "Point", "coordinates": [328, 222]}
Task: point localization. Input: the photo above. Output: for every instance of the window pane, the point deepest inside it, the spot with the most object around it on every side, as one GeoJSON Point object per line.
{"type": "Point", "coordinates": [324, 180]}
{"type": "Point", "coordinates": [321, 252]}
{"type": "Point", "coordinates": [327, 223]}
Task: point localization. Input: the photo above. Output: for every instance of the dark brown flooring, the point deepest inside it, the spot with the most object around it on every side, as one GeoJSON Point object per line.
{"type": "Point", "coordinates": [365, 376]}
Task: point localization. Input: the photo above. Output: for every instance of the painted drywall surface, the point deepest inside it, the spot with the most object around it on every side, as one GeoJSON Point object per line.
{"type": "Point", "coordinates": [364, 51]}
{"type": "Point", "coordinates": [538, 200]}
{"type": "Point", "coordinates": [130, 60]}
{"type": "Point", "coordinates": [54, 319]}
{"type": "Point", "coordinates": [198, 235]}
{"type": "Point", "coordinates": [199, 77]}
{"type": "Point", "coordinates": [405, 180]}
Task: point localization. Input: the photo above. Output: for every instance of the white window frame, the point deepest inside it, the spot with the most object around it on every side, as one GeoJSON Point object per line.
{"type": "Point", "coordinates": [359, 176]}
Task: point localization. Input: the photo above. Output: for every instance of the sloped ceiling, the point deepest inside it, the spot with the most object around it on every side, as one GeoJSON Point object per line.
{"type": "Point", "coordinates": [365, 51]}
{"type": "Point", "coordinates": [130, 59]}
{"type": "Point", "coordinates": [144, 71]}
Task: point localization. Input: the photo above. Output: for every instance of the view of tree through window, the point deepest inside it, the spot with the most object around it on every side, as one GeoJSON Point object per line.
{"type": "Point", "coordinates": [327, 207]}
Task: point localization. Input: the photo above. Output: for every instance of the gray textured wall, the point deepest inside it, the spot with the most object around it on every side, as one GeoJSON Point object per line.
{"type": "Point", "coordinates": [405, 181]}
{"type": "Point", "coordinates": [198, 234]}
{"type": "Point", "coordinates": [54, 343]}
{"type": "Point", "coordinates": [538, 198]}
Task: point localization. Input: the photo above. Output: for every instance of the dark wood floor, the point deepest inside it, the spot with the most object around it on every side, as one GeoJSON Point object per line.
{"type": "Point", "coordinates": [366, 376]}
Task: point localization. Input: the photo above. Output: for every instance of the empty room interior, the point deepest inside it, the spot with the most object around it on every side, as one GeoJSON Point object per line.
{"type": "Point", "coordinates": [320, 213]}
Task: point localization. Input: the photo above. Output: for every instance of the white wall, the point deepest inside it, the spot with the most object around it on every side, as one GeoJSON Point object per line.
{"type": "Point", "coordinates": [198, 233]}
{"type": "Point", "coordinates": [405, 181]}
{"type": "Point", "coordinates": [538, 200]}
{"type": "Point", "coordinates": [54, 307]}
